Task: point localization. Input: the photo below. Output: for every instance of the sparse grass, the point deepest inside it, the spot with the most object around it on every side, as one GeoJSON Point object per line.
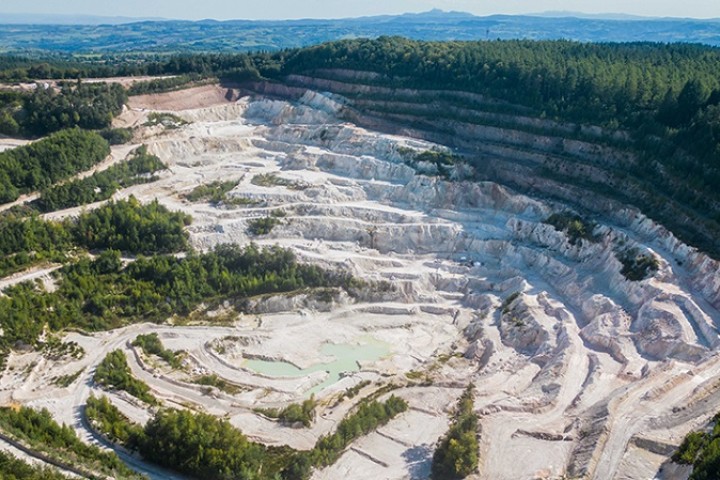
{"type": "Point", "coordinates": [418, 377]}
{"type": "Point", "coordinates": [445, 357]}
{"type": "Point", "coordinates": [214, 381]}
{"type": "Point", "coordinates": [240, 201]}
{"type": "Point", "coordinates": [65, 381]}
{"type": "Point", "coordinates": [214, 192]}
{"type": "Point", "coordinates": [505, 307]}
{"type": "Point", "coordinates": [168, 120]}
{"type": "Point", "coordinates": [54, 349]}
{"type": "Point", "coordinates": [351, 392]}
{"type": "Point", "coordinates": [272, 180]}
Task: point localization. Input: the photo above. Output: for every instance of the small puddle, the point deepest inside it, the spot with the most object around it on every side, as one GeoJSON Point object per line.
{"type": "Point", "coordinates": [346, 360]}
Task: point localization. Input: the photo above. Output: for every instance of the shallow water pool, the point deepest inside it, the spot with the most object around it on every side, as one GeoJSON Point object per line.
{"type": "Point", "coordinates": [346, 360]}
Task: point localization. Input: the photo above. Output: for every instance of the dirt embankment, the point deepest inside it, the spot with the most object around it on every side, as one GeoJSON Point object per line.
{"type": "Point", "coordinates": [191, 98]}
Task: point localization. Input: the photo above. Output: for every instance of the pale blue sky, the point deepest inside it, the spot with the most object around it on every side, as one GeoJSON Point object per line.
{"type": "Point", "coordinates": [274, 9]}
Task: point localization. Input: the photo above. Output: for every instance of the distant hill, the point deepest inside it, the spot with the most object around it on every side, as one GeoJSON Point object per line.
{"type": "Point", "coordinates": [114, 35]}
{"type": "Point", "coordinates": [54, 19]}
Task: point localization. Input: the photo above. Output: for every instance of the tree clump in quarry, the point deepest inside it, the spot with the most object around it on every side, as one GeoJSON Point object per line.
{"type": "Point", "coordinates": [214, 192]}
{"type": "Point", "coordinates": [130, 226]}
{"type": "Point", "coordinates": [574, 226]}
{"type": "Point", "coordinates": [139, 169]}
{"type": "Point", "coordinates": [701, 449]}
{"type": "Point", "coordinates": [114, 372]}
{"type": "Point", "coordinates": [12, 468]}
{"type": "Point", "coordinates": [205, 446]}
{"type": "Point", "coordinates": [456, 455]}
{"type": "Point", "coordinates": [637, 266]}
{"type": "Point", "coordinates": [38, 430]}
{"type": "Point", "coordinates": [125, 225]}
{"type": "Point", "coordinates": [101, 293]}
{"type": "Point", "coordinates": [107, 419]}
{"type": "Point", "coordinates": [294, 414]}
{"type": "Point", "coordinates": [151, 345]}
{"type": "Point", "coordinates": [443, 163]}
{"type": "Point", "coordinates": [263, 225]}
{"type": "Point", "coordinates": [72, 104]}
{"type": "Point", "coordinates": [117, 136]}
{"type": "Point", "coordinates": [40, 164]}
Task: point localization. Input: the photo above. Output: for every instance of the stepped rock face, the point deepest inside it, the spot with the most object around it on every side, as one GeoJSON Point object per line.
{"type": "Point", "coordinates": [464, 282]}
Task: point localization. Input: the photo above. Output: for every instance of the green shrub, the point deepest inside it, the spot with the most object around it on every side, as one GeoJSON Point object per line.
{"type": "Point", "coordinates": [262, 226]}
{"type": "Point", "coordinates": [637, 266]}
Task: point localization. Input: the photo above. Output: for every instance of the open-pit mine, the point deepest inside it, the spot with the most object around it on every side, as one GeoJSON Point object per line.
{"type": "Point", "coordinates": [579, 369]}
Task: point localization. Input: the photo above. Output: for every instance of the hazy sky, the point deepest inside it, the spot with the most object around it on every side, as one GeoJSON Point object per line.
{"type": "Point", "coordinates": [261, 9]}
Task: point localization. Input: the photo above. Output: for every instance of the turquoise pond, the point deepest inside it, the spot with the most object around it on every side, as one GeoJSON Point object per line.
{"type": "Point", "coordinates": [346, 358]}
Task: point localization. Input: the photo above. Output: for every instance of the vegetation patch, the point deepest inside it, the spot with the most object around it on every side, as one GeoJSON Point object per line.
{"type": "Point", "coordinates": [12, 468]}
{"type": "Point", "coordinates": [272, 180]}
{"type": "Point", "coordinates": [217, 193]}
{"type": "Point", "coordinates": [130, 226]}
{"type": "Point", "coordinates": [204, 446]}
{"type": "Point", "coordinates": [213, 380]}
{"type": "Point", "coordinates": [574, 226]}
{"type": "Point", "coordinates": [302, 413]}
{"type": "Point", "coordinates": [505, 306]}
{"type": "Point", "coordinates": [151, 345]}
{"type": "Point", "coordinates": [97, 294]}
{"type": "Point", "coordinates": [160, 85]}
{"type": "Point", "coordinates": [263, 225]}
{"type": "Point", "coordinates": [702, 451]}
{"type": "Point", "coordinates": [114, 372]}
{"type": "Point", "coordinates": [101, 185]}
{"type": "Point", "coordinates": [351, 392]}
{"type": "Point", "coordinates": [637, 266]}
{"type": "Point", "coordinates": [54, 349]}
{"type": "Point", "coordinates": [214, 192]}
{"type": "Point", "coordinates": [167, 120]}
{"type": "Point", "coordinates": [38, 430]}
{"type": "Point", "coordinates": [125, 225]}
{"type": "Point", "coordinates": [40, 164]}
{"type": "Point", "coordinates": [107, 419]}
{"type": "Point", "coordinates": [65, 381]}
{"type": "Point", "coordinates": [432, 162]}
{"type": "Point", "coordinates": [75, 104]}
{"type": "Point", "coordinates": [117, 136]}
{"type": "Point", "coordinates": [456, 454]}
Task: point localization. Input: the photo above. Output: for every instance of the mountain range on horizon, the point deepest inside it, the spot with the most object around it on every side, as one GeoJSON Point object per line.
{"type": "Point", "coordinates": [84, 19]}
{"type": "Point", "coordinates": [90, 34]}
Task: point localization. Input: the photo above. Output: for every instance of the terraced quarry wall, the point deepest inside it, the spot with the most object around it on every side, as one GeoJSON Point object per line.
{"type": "Point", "coordinates": [597, 169]}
